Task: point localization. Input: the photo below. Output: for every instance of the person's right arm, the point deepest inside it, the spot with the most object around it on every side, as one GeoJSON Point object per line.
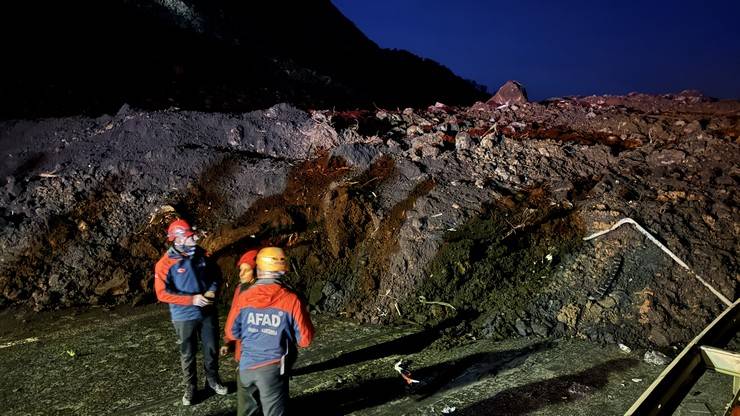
{"type": "Point", "coordinates": [161, 274]}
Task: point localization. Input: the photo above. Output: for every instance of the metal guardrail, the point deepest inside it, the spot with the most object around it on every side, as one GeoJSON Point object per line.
{"type": "Point", "coordinates": [675, 382]}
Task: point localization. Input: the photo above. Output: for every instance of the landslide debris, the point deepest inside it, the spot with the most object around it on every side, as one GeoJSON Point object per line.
{"type": "Point", "coordinates": [420, 215]}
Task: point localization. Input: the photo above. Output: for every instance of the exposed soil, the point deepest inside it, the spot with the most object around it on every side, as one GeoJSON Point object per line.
{"type": "Point", "coordinates": [475, 213]}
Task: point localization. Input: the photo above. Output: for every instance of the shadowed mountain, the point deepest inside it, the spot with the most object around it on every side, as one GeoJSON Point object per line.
{"type": "Point", "coordinates": [64, 58]}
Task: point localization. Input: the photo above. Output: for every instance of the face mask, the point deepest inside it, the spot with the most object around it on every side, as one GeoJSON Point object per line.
{"type": "Point", "coordinates": [185, 250]}
{"type": "Point", "coordinates": [186, 245]}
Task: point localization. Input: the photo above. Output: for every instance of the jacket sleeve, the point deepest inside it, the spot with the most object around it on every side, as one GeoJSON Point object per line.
{"type": "Point", "coordinates": [233, 312]}
{"type": "Point", "coordinates": [161, 274]}
{"type": "Point", "coordinates": [303, 325]}
{"type": "Point", "coordinates": [236, 326]}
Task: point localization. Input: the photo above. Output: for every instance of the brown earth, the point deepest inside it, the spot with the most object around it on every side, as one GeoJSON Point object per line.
{"type": "Point", "coordinates": [474, 213]}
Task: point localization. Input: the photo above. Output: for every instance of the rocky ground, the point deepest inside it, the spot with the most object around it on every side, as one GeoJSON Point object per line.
{"type": "Point", "coordinates": [473, 213]}
{"type": "Point", "coordinates": [124, 361]}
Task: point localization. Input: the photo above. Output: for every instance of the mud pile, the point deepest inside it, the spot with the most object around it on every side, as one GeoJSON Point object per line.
{"type": "Point", "coordinates": [422, 214]}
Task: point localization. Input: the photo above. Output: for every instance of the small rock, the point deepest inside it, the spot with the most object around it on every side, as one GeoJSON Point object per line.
{"type": "Point", "coordinates": [12, 187]}
{"type": "Point", "coordinates": [430, 151]}
{"type": "Point", "coordinates": [666, 157]}
{"type": "Point", "coordinates": [438, 108]}
{"type": "Point", "coordinates": [392, 144]}
{"type": "Point", "coordinates": [414, 131]}
{"type": "Point", "coordinates": [234, 136]}
{"type": "Point", "coordinates": [692, 127]}
{"type": "Point", "coordinates": [656, 358]}
{"type": "Point", "coordinates": [608, 302]}
{"type": "Point", "coordinates": [658, 337]}
{"type": "Point", "coordinates": [462, 141]}
{"type": "Point", "coordinates": [486, 142]}
{"type": "Point", "coordinates": [625, 349]}
{"type": "Point", "coordinates": [124, 110]}
{"type": "Point", "coordinates": [540, 329]}
{"type": "Point", "coordinates": [116, 286]}
{"type": "Point", "coordinates": [417, 223]}
{"type": "Point", "coordinates": [521, 327]}
{"type": "Point", "coordinates": [329, 289]}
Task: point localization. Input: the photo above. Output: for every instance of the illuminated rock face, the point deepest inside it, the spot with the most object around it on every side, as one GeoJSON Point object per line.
{"type": "Point", "coordinates": [510, 93]}
{"type": "Point", "coordinates": [482, 208]}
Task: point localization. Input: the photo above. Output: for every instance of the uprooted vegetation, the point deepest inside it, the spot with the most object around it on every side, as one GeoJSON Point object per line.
{"type": "Point", "coordinates": [496, 264]}
{"type": "Point", "coordinates": [415, 215]}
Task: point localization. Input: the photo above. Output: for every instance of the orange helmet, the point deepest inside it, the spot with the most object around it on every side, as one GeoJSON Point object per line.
{"type": "Point", "coordinates": [272, 259]}
{"type": "Point", "coordinates": [248, 258]}
{"type": "Point", "coordinates": [179, 228]}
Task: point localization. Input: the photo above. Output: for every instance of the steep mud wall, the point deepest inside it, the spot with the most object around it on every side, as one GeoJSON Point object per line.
{"type": "Point", "coordinates": [475, 214]}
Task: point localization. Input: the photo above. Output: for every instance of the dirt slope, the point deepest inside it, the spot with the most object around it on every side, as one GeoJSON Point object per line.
{"type": "Point", "coordinates": [395, 215]}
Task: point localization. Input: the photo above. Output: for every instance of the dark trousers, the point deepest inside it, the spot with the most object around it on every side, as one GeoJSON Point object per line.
{"type": "Point", "coordinates": [188, 333]}
{"type": "Point", "coordinates": [272, 389]}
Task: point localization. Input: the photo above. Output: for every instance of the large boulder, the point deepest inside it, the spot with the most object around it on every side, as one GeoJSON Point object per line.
{"type": "Point", "coordinates": [510, 93]}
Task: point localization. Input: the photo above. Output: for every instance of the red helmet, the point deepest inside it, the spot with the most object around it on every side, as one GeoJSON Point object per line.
{"type": "Point", "coordinates": [179, 228]}
{"type": "Point", "coordinates": [250, 258]}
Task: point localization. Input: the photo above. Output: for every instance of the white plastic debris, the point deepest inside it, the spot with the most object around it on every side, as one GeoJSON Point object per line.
{"type": "Point", "coordinates": [656, 358]}
{"type": "Point", "coordinates": [637, 380]}
{"type": "Point", "coordinates": [665, 249]}
{"type": "Point", "coordinates": [625, 349]}
{"type": "Point", "coordinates": [405, 374]}
{"type": "Point", "coordinates": [448, 409]}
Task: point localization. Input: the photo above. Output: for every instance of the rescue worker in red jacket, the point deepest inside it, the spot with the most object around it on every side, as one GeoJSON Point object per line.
{"type": "Point", "coordinates": [188, 281]}
{"type": "Point", "coordinates": [270, 322]}
{"type": "Point", "coordinates": [247, 265]}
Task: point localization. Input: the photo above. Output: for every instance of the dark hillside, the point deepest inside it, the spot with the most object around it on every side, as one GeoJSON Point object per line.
{"type": "Point", "coordinates": [65, 58]}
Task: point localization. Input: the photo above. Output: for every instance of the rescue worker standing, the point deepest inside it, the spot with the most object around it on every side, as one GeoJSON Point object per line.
{"type": "Point", "coordinates": [270, 322]}
{"type": "Point", "coordinates": [186, 280]}
{"type": "Point", "coordinates": [247, 265]}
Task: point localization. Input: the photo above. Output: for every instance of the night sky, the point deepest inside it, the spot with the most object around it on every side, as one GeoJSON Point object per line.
{"type": "Point", "coordinates": [558, 48]}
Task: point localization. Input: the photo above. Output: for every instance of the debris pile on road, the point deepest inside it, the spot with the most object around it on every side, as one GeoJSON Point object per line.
{"type": "Point", "coordinates": [478, 210]}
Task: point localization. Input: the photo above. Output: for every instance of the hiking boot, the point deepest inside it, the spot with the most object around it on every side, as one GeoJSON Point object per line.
{"type": "Point", "coordinates": [217, 387]}
{"type": "Point", "coordinates": [189, 397]}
